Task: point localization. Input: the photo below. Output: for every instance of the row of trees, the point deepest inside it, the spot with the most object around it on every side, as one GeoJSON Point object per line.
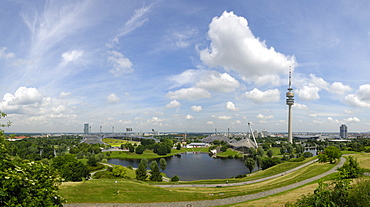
{"type": "Point", "coordinates": [155, 175]}
{"type": "Point", "coordinates": [162, 148]}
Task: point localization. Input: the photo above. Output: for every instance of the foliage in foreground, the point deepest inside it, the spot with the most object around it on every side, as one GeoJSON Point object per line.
{"type": "Point", "coordinates": [339, 193]}
{"type": "Point", "coordinates": [25, 183]}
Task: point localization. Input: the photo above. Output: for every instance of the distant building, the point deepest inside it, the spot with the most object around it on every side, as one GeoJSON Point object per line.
{"type": "Point", "coordinates": [343, 131]}
{"type": "Point", "coordinates": [264, 133]}
{"type": "Point", "coordinates": [86, 128]}
{"type": "Point", "coordinates": [197, 145]}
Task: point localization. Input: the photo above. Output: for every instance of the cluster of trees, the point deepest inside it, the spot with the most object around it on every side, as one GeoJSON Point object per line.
{"type": "Point", "coordinates": [162, 148]}
{"type": "Point", "coordinates": [40, 148]}
{"type": "Point", "coordinates": [69, 168]}
{"type": "Point", "coordinates": [155, 174]}
{"type": "Point", "coordinates": [26, 183]}
{"type": "Point", "coordinates": [330, 154]}
{"type": "Point", "coordinates": [85, 148]}
{"type": "Point", "coordinates": [254, 159]}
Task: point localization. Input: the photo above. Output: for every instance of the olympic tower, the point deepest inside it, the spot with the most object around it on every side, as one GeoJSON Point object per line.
{"type": "Point", "coordinates": [290, 102]}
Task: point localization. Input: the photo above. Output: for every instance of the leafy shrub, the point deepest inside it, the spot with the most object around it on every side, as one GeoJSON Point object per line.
{"type": "Point", "coordinates": [175, 178]}
{"type": "Point", "coordinates": [307, 154]}
{"type": "Point", "coordinates": [299, 159]}
{"type": "Point", "coordinates": [269, 162]}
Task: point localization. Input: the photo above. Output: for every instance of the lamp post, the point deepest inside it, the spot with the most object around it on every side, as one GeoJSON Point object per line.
{"type": "Point", "coordinates": [115, 187]}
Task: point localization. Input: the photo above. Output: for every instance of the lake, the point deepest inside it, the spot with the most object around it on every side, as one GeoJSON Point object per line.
{"type": "Point", "coordinates": [197, 166]}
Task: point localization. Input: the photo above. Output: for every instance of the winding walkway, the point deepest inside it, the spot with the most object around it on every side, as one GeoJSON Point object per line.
{"type": "Point", "coordinates": [217, 202]}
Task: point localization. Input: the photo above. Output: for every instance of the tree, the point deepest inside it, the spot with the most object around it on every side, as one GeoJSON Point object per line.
{"type": "Point", "coordinates": [260, 152]}
{"type": "Point", "coordinates": [70, 168]}
{"type": "Point", "coordinates": [119, 171]}
{"type": "Point", "coordinates": [155, 174]}
{"type": "Point", "coordinates": [351, 169]}
{"type": "Point", "coordinates": [140, 149]}
{"type": "Point", "coordinates": [266, 146]}
{"type": "Point", "coordinates": [258, 161]}
{"type": "Point", "coordinates": [223, 148]}
{"type": "Point", "coordinates": [25, 183]}
{"type": "Point", "coordinates": [178, 146]}
{"type": "Point", "coordinates": [175, 178]}
{"type": "Point", "coordinates": [283, 150]}
{"type": "Point", "coordinates": [162, 150]}
{"type": "Point", "coordinates": [269, 162]}
{"type": "Point", "coordinates": [250, 164]}
{"type": "Point", "coordinates": [299, 149]}
{"type": "Point", "coordinates": [322, 158]}
{"type": "Point", "coordinates": [332, 153]}
{"type": "Point", "coordinates": [163, 164]}
{"type": "Point", "coordinates": [141, 171]}
{"type": "Point", "coordinates": [91, 160]}
{"type": "Point", "coordinates": [270, 153]}
{"type": "Point", "coordinates": [252, 151]}
{"type": "Point", "coordinates": [307, 154]}
{"type": "Point", "coordinates": [74, 171]}
{"type": "Point", "coordinates": [289, 148]}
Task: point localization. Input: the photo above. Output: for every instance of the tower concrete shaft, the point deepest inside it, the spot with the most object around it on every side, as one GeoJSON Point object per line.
{"type": "Point", "coordinates": [290, 103]}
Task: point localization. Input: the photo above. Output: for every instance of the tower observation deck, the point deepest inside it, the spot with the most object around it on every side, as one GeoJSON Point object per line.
{"type": "Point", "coordinates": [290, 102]}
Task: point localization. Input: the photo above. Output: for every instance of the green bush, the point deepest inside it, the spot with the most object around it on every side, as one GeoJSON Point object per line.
{"type": "Point", "coordinates": [307, 154]}
{"type": "Point", "coordinates": [299, 159]}
{"type": "Point", "coordinates": [175, 178]}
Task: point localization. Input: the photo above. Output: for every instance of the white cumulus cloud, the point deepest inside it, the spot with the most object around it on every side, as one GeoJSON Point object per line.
{"type": "Point", "coordinates": [113, 98]}
{"type": "Point", "coordinates": [339, 88]}
{"type": "Point", "coordinates": [189, 117]}
{"type": "Point", "coordinates": [231, 106]}
{"type": "Point", "coordinates": [361, 98]}
{"type": "Point", "coordinates": [234, 47]}
{"type": "Point", "coordinates": [196, 108]}
{"type": "Point", "coordinates": [173, 104]}
{"type": "Point", "coordinates": [309, 93]}
{"type": "Point", "coordinates": [189, 94]}
{"type": "Point", "coordinates": [257, 96]}
{"type": "Point", "coordinates": [216, 81]}
{"type": "Point", "coordinates": [352, 119]}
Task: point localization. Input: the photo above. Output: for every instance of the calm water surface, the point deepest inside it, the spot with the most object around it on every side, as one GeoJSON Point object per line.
{"type": "Point", "coordinates": [195, 166]}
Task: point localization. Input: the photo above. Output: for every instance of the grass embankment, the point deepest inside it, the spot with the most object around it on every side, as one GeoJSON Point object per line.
{"type": "Point", "coordinates": [292, 195]}
{"type": "Point", "coordinates": [227, 153]}
{"type": "Point", "coordinates": [102, 191]}
{"type": "Point", "coordinates": [363, 160]}
{"type": "Point", "coordinates": [149, 154]}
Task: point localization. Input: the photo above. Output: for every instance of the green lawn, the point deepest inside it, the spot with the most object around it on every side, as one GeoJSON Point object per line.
{"type": "Point", "coordinates": [229, 152]}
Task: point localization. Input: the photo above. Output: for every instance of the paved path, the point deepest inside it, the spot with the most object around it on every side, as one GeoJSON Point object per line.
{"type": "Point", "coordinates": [93, 173]}
{"type": "Point", "coordinates": [216, 202]}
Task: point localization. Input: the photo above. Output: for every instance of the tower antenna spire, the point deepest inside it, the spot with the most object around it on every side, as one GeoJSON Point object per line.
{"type": "Point", "coordinates": [290, 76]}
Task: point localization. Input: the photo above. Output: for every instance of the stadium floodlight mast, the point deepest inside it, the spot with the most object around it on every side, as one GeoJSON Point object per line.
{"type": "Point", "coordinates": [254, 138]}
{"type": "Point", "coordinates": [290, 103]}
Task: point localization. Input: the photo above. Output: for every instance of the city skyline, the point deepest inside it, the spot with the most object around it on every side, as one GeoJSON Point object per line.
{"type": "Point", "coordinates": [184, 66]}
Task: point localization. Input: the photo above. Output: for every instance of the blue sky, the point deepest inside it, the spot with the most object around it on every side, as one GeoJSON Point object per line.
{"type": "Point", "coordinates": [184, 65]}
